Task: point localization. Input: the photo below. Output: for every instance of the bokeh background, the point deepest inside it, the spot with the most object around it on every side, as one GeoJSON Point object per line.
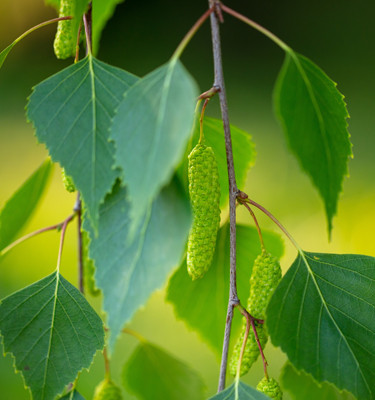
{"type": "Point", "coordinates": [337, 35]}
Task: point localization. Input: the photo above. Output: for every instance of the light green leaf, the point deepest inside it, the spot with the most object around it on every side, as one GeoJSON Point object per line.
{"type": "Point", "coordinates": [73, 395]}
{"type": "Point", "coordinates": [192, 299]}
{"type": "Point", "coordinates": [302, 386]}
{"type": "Point", "coordinates": [239, 391]}
{"type": "Point", "coordinates": [52, 332]}
{"type": "Point", "coordinates": [322, 316]}
{"type": "Point", "coordinates": [162, 376]}
{"type": "Point", "coordinates": [71, 112]}
{"type": "Point", "coordinates": [19, 208]}
{"type": "Point", "coordinates": [102, 11]}
{"type": "Point", "coordinates": [127, 271]}
{"type": "Point", "coordinates": [5, 52]}
{"type": "Point", "coordinates": [243, 153]}
{"type": "Point", "coordinates": [151, 129]}
{"type": "Point", "coordinates": [313, 115]}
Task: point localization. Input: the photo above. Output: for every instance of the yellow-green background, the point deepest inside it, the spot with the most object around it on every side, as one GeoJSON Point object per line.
{"type": "Point", "coordinates": [338, 35]}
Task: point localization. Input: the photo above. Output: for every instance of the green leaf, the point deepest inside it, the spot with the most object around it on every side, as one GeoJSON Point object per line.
{"type": "Point", "coordinates": [163, 376]}
{"type": "Point", "coordinates": [302, 386]}
{"type": "Point", "coordinates": [322, 316]}
{"type": "Point", "coordinates": [192, 299]}
{"type": "Point", "coordinates": [5, 52]}
{"type": "Point", "coordinates": [71, 112]}
{"type": "Point", "coordinates": [243, 153]}
{"type": "Point", "coordinates": [73, 395]}
{"type": "Point", "coordinates": [53, 3]}
{"type": "Point", "coordinates": [151, 129]}
{"type": "Point", "coordinates": [102, 11]}
{"type": "Point", "coordinates": [127, 271]}
{"type": "Point", "coordinates": [313, 115]}
{"type": "Point", "coordinates": [19, 208]}
{"type": "Point", "coordinates": [52, 332]}
{"type": "Point", "coordinates": [239, 391]}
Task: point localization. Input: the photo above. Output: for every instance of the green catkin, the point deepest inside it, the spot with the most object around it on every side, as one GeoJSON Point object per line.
{"type": "Point", "coordinates": [271, 388]}
{"type": "Point", "coordinates": [265, 277]}
{"type": "Point", "coordinates": [68, 182]}
{"type": "Point", "coordinates": [107, 390]}
{"type": "Point", "coordinates": [65, 42]}
{"type": "Point", "coordinates": [204, 189]}
{"type": "Point", "coordinates": [88, 267]}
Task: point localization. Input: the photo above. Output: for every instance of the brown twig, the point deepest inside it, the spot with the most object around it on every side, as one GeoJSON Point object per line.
{"type": "Point", "coordinates": [78, 210]}
{"type": "Point", "coordinates": [233, 190]}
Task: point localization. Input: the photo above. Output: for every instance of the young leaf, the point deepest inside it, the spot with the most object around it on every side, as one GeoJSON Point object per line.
{"type": "Point", "coordinates": [313, 115]}
{"type": "Point", "coordinates": [101, 13]}
{"type": "Point", "coordinates": [52, 332]}
{"type": "Point", "coordinates": [191, 300]}
{"type": "Point", "coordinates": [239, 391]}
{"type": "Point", "coordinates": [322, 316]}
{"type": "Point", "coordinates": [71, 112]}
{"type": "Point", "coordinates": [19, 208]}
{"type": "Point", "coordinates": [5, 52]}
{"type": "Point", "coordinates": [151, 129]}
{"type": "Point", "coordinates": [127, 271]}
{"type": "Point", "coordinates": [302, 386]}
{"type": "Point", "coordinates": [73, 395]}
{"type": "Point", "coordinates": [243, 153]}
{"type": "Point", "coordinates": [163, 376]}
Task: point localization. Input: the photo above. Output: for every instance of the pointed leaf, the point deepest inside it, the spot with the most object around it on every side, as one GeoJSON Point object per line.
{"type": "Point", "coordinates": [52, 332]}
{"type": "Point", "coordinates": [243, 153]}
{"type": "Point", "coordinates": [313, 115]}
{"type": "Point", "coordinates": [19, 208]}
{"type": "Point", "coordinates": [322, 316]}
{"type": "Point", "coordinates": [302, 386]}
{"type": "Point", "coordinates": [127, 271]}
{"type": "Point", "coordinates": [151, 129]}
{"type": "Point", "coordinates": [239, 391]}
{"type": "Point", "coordinates": [5, 52]}
{"type": "Point", "coordinates": [73, 395]}
{"type": "Point", "coordinates": [71, 112]}
{"type": "Point", "coordinates": [101, 13]}
{"type": "Point", "coordinates": [163, 376]}
{"type": "Point", "coordinates": [192, 299]}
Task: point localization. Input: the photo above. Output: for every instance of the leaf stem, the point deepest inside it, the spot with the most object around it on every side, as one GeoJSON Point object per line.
{"type": "Point", "coordinates": [62, 237]}
{"type": "Point", "coordinates": [233, 190]}
{"type": "Point", "coordinates": [87, 21]}
{"type": "Point", "coordinates": [193, 30]}
{"type": "Point", "coordinates": [78, 210]}
{"type": "Point", "coordinates": [201, 135]}
{"type": "Point", "coordinates": [76, 59]}
{"type": "Point", "coordinates": [35, 233]}
{"type": "Point", "coordinates": [134, 334]}
{"type": "Point", "coordinates": [258, 27]}
{"type": "Point", "coordinates": [107, 364]}
{"type": "Point", "coordinates": [255, 221]}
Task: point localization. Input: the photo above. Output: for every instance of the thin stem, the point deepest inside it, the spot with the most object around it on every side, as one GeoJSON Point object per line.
{"type": "Point", "coordinates": [277, 222]}
{"type": "Point", "coordinates": [77, 43]}
{"type": "Point", "coordinates": [233, 190]}
{"type": "Point", "coordinates": [185, 41]}
{"type": "Point", "coordinates": [134, 334]}
{"type": "Point", "coordinates": [258, 27]}
{"type": "Point", "coordinates": [32, 234]}
{"type": "Point", "coordinates": [87, 21]}
{"type": "Point", "coordinates": [201, 135]}
{"type": "Point", "coordinates": [62, 237]}
{"type": "Point", "coordinates": [256, 223]}
{"type": "Point", "coordinates": [78, 209]}
{"type": "Point", "coordinates": [107, 363]}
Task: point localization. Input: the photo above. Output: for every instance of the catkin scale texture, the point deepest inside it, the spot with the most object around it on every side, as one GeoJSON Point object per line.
{"type": "Point", "coordinates": [271, 388]}
{"type": "Point", "coordinates": [107, 390]}
{"type": "Point", "coordinates": [64, 44]}
{"type": "Point", "coordinates": [265, 277]}
{"type": "Point", "coordinates": [204, 189]}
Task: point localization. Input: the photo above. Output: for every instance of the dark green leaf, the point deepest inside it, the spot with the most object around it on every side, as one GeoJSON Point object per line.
{"type": "Point", "coordinates": [302, 386]}
{"type": "Point", "coordinates": [322, 316]}
{"type": "Point", "coordinates": [71, 112]}
{"type": "Point", "coordinates": [243, 153]}
{"type": "Point", "coordinates": [52, 332]}
{"type": "Point", "coordinates": [151, 129]}
{"type": "Point", "coordinates": [192, 299]}
{"type": "Point", "coordinates": [239, 391]}
{"type": "Point", "coordinates": [151, 373]}
{"type": "Point", "coordinates": [313, 115]}
{"type": "Point", "coordinates": [127, 271]}
{"type": "Point", "coordinates": [19, 208]}
{"type": "Point", "coordinates": [73, 395]}
{"type": "Point", "coordinates": [102, 11]}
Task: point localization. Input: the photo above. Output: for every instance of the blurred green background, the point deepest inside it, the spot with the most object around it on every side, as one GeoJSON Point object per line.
{"type": "Point", "coordinates": [337, 35]}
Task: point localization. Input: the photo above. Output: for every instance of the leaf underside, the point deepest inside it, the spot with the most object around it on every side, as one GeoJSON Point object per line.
{"type": "Point", "coordinates": [52, 332]}
{"type": "Point", "coordinates": [313, 115]}
{"type": "Point", "coordinates": [322, 316]}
